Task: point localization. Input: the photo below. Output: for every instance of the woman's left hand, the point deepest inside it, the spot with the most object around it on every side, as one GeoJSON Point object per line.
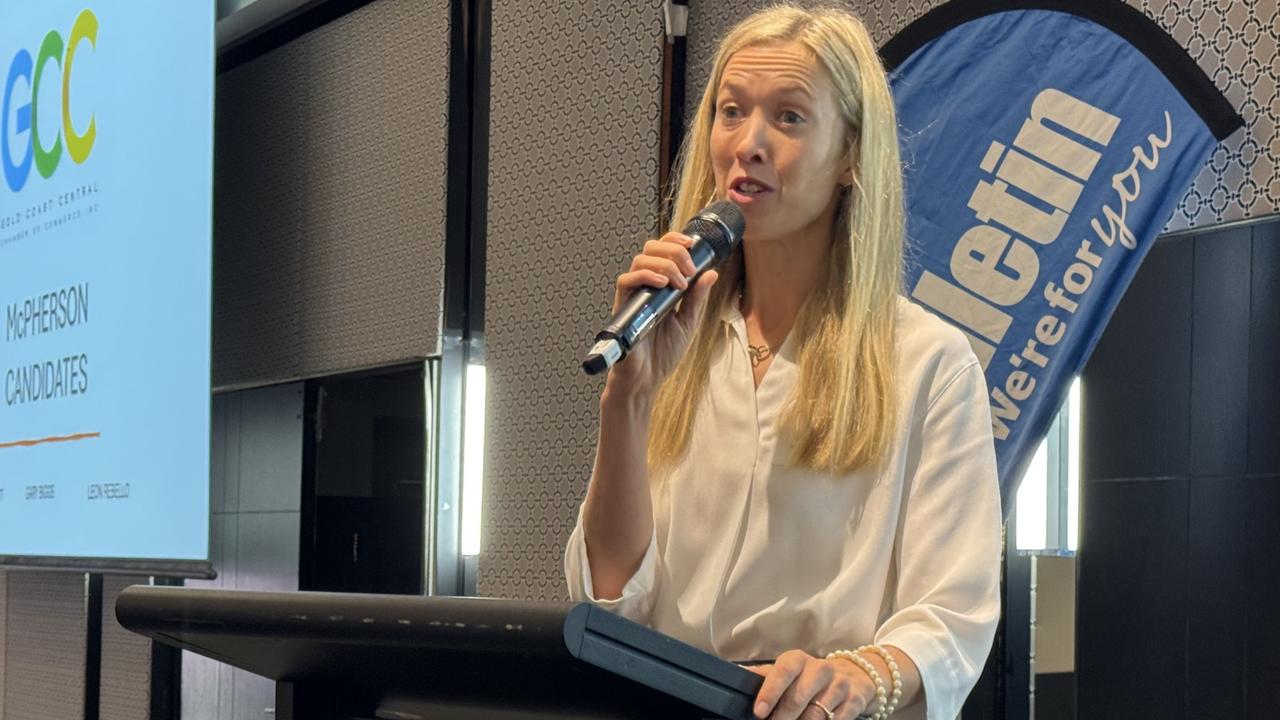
{"type": "Point", "coordinates": [796, 680]}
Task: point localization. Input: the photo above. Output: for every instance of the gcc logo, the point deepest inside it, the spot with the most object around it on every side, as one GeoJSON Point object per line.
{"type": "Point", "coordinates": [26, 114]}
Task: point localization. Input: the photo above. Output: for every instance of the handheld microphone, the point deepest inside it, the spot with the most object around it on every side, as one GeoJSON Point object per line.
{"type": "Point", "coordinates": [715, 230]}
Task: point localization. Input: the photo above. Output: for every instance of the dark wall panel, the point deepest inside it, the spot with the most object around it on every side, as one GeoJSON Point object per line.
{"type": "Point", "coordinates": [1056, 696]}
{"type": "Point", "coordinates": [1262, 661]}
{"type": "Point", "coordinates": [1136, 384]}
{"type": "Point", "coordinates": [4, 622]}
{"type": "Point", "coordinates": [1264, 351]}
{"type": "Point", "coordinates": [1220, 353]}
{"type": "Point", "coordinates": [1178, 560]}
{"type": "Point", "coordinates": [255, 534]}
{"type": "Point", "coordinates": [1217, 602]}
{"type": "Point", "coordinates": [1132, 602]}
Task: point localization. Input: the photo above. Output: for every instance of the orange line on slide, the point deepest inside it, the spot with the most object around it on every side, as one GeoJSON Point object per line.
{"type": "Point", "coordinates": [41, 441]}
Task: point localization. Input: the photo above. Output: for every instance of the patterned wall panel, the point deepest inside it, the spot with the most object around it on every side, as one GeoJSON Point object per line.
{"type": "Point", "coordinates": [256, 250]}
{"type": "Point", "coordinates": [45, 645]}
{"type": "Point", "coordinates": [330, 198]}
{"type": "Point", "coordinates": [1236, 43]}
{"type": "Point", "coordinates": [573, 163]}
{"type": "Point", "coordinates": [125, 692]}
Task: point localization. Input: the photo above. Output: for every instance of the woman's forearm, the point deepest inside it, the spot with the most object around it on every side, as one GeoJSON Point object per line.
{"type": "Point", "coordinates": [909, 675]}
{"type": "Point", "coordinates": [618, 514]}
{"type": "Point", "coordinates": [912, 687]}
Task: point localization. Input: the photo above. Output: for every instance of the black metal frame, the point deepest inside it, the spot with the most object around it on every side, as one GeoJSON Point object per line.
{"type": "Point", "coordinates": [466, 224]}
{"type": "Point", "coordinates": [201, 569]}
{"type": "Point", "coordinates": [282, 30]}
{"type": "Point", "coordinates": [92, 644]}
{"type": "Point", "coordinates": [671, 133]}
{"type": "Point", "coordinates": [166, 673]}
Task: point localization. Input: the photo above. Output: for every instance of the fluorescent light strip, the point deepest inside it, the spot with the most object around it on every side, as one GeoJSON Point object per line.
{"type": "Point", "coordinates": [1032, 500]}
{"type": "Point", "coordinates": [473, 459]}
{"type": "Point", "coordinates": [1076, 413]}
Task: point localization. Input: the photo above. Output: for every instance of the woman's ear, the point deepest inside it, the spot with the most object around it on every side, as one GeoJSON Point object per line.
{"type": "Point", "coordinates": [846, 179]}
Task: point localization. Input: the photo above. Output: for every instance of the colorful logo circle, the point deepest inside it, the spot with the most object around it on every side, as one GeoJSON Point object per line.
{"type": "Point", "coordinates": [32, 148]}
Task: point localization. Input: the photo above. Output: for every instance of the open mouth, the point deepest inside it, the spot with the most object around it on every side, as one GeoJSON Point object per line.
{"type": "Point", "coordinates": [745, 189]}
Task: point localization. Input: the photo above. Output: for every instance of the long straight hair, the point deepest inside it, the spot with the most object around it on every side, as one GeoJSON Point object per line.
{"type": "Point", "coordinates": [841, 412]}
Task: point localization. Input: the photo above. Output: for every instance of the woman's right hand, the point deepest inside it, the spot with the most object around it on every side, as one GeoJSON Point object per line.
{"type": "Point", "coordinates": [662, 262]}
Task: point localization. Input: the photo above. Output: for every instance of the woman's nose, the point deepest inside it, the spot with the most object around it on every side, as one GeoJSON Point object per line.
{"type": "Point", "coordinates": [753, 142]}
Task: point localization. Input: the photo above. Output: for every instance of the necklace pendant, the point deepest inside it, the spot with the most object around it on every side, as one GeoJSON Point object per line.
{"type": "Point", "coordinates": [758, 353]}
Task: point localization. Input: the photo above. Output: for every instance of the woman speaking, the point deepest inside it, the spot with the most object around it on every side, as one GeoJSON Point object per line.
{"type": "Point", "coordinates": [798, 464]}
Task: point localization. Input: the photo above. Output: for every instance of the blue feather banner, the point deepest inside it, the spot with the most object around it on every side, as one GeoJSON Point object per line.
{"type": "Point", "coordinates": [1045, 145]}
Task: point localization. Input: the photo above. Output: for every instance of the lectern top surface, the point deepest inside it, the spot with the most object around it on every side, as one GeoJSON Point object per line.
{"type": "Point", "coordinates": [410, 620]}
{"type": "Point", "coordinates": [549, 656]}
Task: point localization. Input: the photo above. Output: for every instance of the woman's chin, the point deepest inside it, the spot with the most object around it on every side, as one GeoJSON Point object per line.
{"type": "Point", "coordinates": [761, 237]}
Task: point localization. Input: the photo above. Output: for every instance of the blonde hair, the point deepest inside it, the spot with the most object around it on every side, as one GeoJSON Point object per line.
{"type": "Point", "coordinates": [841, 412]}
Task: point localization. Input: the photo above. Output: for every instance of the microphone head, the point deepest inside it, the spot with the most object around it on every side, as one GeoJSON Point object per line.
{"type": "Point", "coordinates": [729, 214]}
{"type": "Point", "coordinates": [721, 224]}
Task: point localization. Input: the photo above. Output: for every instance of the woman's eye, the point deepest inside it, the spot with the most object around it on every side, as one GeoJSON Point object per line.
{"type": "Point", "coordinates": [790, 117]}
{"type": "Point", "coordinates": [729, 111]}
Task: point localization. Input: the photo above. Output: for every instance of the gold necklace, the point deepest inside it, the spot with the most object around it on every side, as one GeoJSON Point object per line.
{"type": "Point", "coordinates": [758, 353]}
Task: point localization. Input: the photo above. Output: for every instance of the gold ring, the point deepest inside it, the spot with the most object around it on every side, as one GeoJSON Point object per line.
{"type": "Point", "coordinates": [830, 715]}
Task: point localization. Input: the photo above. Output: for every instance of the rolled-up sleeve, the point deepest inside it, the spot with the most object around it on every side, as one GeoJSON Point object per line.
{"type": "Point", "coordinates": [636, 601]}
{"type": "Point", "coordinates": [947, 600]}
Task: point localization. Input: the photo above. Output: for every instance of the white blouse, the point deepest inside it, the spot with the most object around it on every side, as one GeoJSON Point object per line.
{"type": "Point", "coordinates": [752, 556]}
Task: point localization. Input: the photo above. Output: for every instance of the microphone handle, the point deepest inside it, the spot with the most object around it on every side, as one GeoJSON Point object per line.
{"type": "Point", "coordinates": [642, 312]}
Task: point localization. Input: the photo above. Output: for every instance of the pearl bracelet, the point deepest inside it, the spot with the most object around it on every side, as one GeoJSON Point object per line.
{"type": "Point", "coordinates": [896, 694]}
{"type": "Point", "coordinates": [881, 697]}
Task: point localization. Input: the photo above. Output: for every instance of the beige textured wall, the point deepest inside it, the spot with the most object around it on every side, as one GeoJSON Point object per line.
{"type": "Point", "coordinates": [125, 681]}
{"type": "Point", "coordinates": [1055, 614]}
{"type": "Point", "coordinates": [573, 172]}
{"type": "Point", "coordinates": [329, 192]}
{"type": "Point", "coordinates": [42, 649]}
{"type": "Point", "coordinates": [44, 645]}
